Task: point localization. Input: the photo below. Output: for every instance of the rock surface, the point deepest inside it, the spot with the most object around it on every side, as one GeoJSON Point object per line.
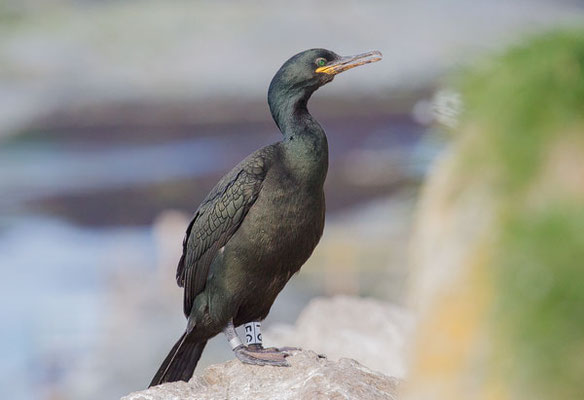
{"type": "Point", "coordinates": [310, 376]}
{"type": "Point", "coordinates": [370, 331]}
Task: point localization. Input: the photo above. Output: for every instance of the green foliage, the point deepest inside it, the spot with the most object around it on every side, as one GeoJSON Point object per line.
{"type": "Point", "coordinates": [540, 295]}
{"type": "Point", "coordinates": [522, 98]}
{"type": "Point", "coordinates": [517, 107]}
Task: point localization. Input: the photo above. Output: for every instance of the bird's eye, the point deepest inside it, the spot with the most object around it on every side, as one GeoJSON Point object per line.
{"type": "Point", "coordinates": [321, 62]}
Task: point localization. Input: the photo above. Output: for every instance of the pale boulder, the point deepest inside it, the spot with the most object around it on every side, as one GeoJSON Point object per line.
{"type": "Point", "coordinates": [370, 331]}
{"type": "Point", "coordinates": [310, 376]}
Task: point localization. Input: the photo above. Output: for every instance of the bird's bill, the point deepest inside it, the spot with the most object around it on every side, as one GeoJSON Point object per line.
{"type": "Point", "coordinates": [345, 63]}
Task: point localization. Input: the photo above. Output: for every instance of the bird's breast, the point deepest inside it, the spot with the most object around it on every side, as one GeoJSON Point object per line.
{"type": "Point", "coordinates": [285, 224]}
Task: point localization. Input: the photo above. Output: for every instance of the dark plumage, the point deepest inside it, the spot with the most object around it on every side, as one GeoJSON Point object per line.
{"type": "Point", "coordinates": [262, 221]}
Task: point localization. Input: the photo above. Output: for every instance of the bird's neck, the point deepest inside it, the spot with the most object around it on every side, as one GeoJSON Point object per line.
{"type": "Point", "coordinates": [305, 144]}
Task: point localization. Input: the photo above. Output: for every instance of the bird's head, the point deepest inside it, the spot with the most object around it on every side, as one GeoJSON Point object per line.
{"type": "Point", "coordinates": [316, 67]}
{"type": "Point", "coordinates": [305, 72]}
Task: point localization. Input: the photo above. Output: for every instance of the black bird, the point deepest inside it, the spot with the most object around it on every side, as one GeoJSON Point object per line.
{"type": "Point", "coordinates": [259, 224]}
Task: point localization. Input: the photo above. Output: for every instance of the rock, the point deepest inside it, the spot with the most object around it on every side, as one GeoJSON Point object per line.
{"type": "Point", "coordinates": [310, 376]}
{"type": "Point", "coordinates": [371, 331]}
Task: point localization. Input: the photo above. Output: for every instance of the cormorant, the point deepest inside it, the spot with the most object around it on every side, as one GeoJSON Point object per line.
{"type": "Point", "coordinates": [259, 224]}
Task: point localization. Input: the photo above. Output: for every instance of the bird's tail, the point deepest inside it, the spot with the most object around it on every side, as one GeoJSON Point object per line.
{"type": "Point", "coordinates": [180, 363]}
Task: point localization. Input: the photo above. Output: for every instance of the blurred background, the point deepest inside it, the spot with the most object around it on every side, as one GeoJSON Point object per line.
{"type": "Point", "coordinates": [117, 118]}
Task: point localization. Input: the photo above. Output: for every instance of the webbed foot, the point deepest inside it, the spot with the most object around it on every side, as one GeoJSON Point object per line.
{"type": "Point", "coordinates": [283, 350]}
{"type": "Point", "coordinates": [260, 356]}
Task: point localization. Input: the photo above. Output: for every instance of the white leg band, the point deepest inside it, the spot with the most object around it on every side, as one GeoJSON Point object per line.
{"type": "Point", "coordinates": [235, 342]}
{"type": "Point", "coordinates": [253, 333]}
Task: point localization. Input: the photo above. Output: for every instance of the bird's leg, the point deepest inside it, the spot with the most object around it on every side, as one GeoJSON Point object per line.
{"type": "Point", "coordinates": [249, 356]}
{"type": "Point", "coordinates": [253, 340]}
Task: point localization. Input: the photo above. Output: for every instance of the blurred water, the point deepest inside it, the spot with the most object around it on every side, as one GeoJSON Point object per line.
{"type": "Point", "coordinates": [53, 275]}
{"type": "Point", "coordinates": [29, 171]}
